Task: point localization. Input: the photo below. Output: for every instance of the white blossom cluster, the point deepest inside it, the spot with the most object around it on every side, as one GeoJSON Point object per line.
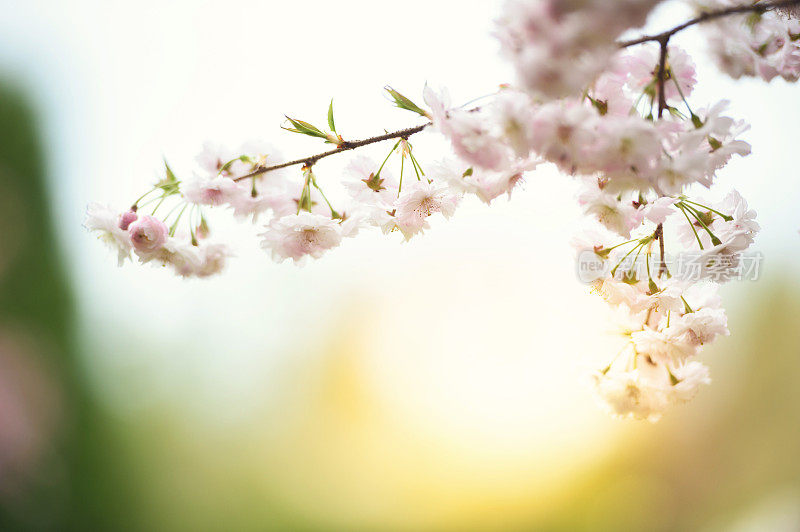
{"type": "Point", "coordinates": [596, 111]}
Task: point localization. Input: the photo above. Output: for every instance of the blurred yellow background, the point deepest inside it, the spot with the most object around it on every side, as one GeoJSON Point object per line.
{"type": "Point", "coordinates": [433, 385]}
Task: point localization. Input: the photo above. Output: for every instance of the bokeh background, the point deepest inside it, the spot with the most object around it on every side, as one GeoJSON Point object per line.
{"type": "Point", "coordinates": [434, 385]}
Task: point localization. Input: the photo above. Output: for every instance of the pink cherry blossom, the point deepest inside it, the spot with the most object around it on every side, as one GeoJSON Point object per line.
{"type": "Point", "coordinates": [148, 234]}
{"type": "Point", "coordinates": [297, 236]}
{"type": "Point", "coordinates": [658, 211]}
{"type": "Point", "coordinates": [642, 67]}
{"type": "Point", "coordinates": [419, 201]}
{"type": "Point", "coordinates": [471, 137]}
{"type": "Point", "coordinates": [104, 221]}
{"type": "Point", "coordinates": [214, 191]}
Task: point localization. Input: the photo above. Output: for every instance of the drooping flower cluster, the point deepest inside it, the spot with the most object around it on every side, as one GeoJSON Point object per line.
{"type": "Point", "coordinates": [618, 119]}
{"type": "Point", "coordinates": [637, 156]}
{"type": "Point", "coordinates": [152, 241]}
{"type": "Point", "coordinates": [667, 319]}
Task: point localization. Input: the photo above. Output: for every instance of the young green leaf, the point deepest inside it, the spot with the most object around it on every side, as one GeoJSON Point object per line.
{"type": "Point", "coordinates": [331, 123]}
{"type": "Point", "coordinates": [404, 103]}
{"type": "Point", "coordinates": [169, 184]}
{"type": "Point", "coordinates": [170, 174]}
{"type": "Point", "coordinates": [304, 128]}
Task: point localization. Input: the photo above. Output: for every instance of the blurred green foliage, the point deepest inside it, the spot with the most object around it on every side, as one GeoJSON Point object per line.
{"type": "Point", "coordinates": [76, 484]}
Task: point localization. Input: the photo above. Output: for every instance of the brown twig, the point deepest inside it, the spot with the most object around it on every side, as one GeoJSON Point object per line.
{"type": "Point", "coordinates": [663, 38]}
{"type": "Point", "coordinates": [344, 146]}
{"type": "Point", "coordinates": [659, 235]}
{"type": "Point", "coordinates": [662, 76]}
{"type": "Point", "coordinates": [761, 7]}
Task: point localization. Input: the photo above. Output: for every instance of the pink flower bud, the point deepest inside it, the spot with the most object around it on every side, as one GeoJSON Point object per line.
{"type": "Point", "coordinates": [148, 234]}
{"type": "Point", "coordinates": [127, 219]}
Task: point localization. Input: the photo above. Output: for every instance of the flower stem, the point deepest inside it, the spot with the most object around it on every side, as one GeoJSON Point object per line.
{"type": "Point", "coordinates": [725, 217]}
{"type": "Point", "coordinates": [691, 224]}
{"type": "Point", "coordinates": [697, 215]}
{"type": "Point", "coordinates": [662, 38]}
{"type": "Point", "coordinates": [378, 173]}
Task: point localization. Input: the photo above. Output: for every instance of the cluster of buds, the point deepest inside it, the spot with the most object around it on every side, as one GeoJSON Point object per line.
{"type": "Point", "coordinates": [617, 118]}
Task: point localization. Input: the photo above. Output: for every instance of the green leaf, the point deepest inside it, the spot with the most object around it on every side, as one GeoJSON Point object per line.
{"type": "Point", "coordinates": [170, 174]}
{"type": "Point", "coordinates": [304, 128]}
{"type": "Point", "coordinates": [225, 167]}
{"type": "Point", "coordinates": [169, 184]}
{"type": "Point", "coordinates": [168, 188]}
{"type": "Point", "coordinates": [404, 103]}
{"type": "Point", "coordinates": [331, 124]}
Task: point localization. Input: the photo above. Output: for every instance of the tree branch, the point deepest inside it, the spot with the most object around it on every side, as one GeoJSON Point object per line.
{"type": "Point", "coordinates": [662, 76]}
{"type": "Point", "coordinates": [661, 38]}
{"type": "Point", "coordinates": [761, 7]}
{"type": "Point", "coordinates": [344, 146]}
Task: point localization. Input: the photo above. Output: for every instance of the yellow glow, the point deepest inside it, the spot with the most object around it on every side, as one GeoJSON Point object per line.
{"type": "Point", "coordinates": [434, 417]}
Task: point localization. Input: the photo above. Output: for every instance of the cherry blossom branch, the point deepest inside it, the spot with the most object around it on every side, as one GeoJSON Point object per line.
{"type": "Point", "coordinates": [344, 146]}
{"type": "Point", "coordinates": [711, 15]}
{"type": "Point", "coordinates": [634, 174]}
{"type": "Point", "coordinates": [661, 38]}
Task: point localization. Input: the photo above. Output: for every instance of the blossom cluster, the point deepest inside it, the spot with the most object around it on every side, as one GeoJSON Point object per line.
{"type": "Point", "coordinates": [765, 45]}
{"type": "Point", "coordinates": [637, 155]}
{"type": "Point", "coordinates": [667, 319]}
{"type": "Point", "coordinates": [617, 119]}
{"type": "Point", "coordinates": [558, 47]}
{"type": "Point", "coordinates": [153, 242]}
